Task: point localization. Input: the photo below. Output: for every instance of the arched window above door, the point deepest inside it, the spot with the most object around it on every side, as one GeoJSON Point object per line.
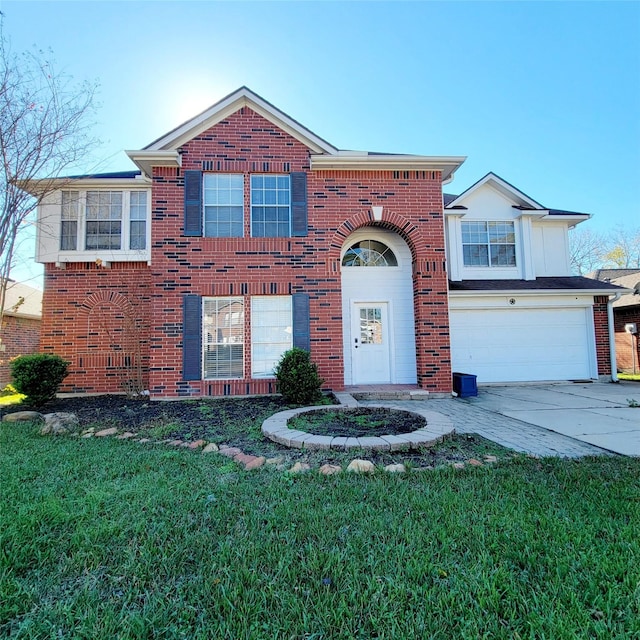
{"type": "Point", "coordinates": [369, 253]}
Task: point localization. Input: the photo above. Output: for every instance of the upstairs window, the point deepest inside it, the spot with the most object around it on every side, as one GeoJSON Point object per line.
{"type": "Point", "coordinates": [223, 200]}
{"type": "Point", "coordinates": [488, 244]}
{"type": "Point", "coordinates": [270, 206]}
{"type": "Point", "coordinates": [138, 220]}
{"type": "Point", "coordinates": [104, 220]}
{"type": "Point", "coordinates": [69, 227]}
{"type": "Point", "coordinates": [369, 253]}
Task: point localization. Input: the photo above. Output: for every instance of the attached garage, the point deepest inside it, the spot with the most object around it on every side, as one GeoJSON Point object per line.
{"type": "Point", "coordinates": [518, 339]}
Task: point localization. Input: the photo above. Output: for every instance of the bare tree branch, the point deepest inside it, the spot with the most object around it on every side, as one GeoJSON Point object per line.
{"type": "Point", "coordinates": [45, 130]}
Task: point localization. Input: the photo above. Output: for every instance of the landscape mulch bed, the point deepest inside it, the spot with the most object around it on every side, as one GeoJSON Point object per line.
{"type": "Point", "coordinates": [237, 422]}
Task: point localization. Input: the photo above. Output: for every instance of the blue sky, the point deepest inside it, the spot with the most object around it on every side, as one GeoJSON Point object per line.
{"type": "Point", "coordinates": [545, 94]}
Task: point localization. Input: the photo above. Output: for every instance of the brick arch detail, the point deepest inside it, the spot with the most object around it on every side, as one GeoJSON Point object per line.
{"type": "Point", "coordinates": [106, 297]}
{"type": "Point", "coordinates": [390, 221]}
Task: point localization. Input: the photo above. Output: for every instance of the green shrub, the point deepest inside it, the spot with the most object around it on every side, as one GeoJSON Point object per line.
{"type": "Point", "coordinates": [38, 376]}
{"type": "Point", "coordinates": [298, 379]}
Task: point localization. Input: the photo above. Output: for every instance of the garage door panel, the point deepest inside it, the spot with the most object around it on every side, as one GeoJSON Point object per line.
{"type": "Point", "coordinates": [518, 345]}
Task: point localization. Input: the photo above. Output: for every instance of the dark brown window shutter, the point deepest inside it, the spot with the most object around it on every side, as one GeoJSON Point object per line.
{"type": "Point", "coordinates": [192, 337]}
{"type": "Point", "coordinates": [193, 203]}
{"type": "Point", "coordinates": [301, 323]}
{"type": "Point", "coordinates": [299, 214]}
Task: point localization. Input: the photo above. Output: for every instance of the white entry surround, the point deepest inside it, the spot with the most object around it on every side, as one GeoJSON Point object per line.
{"type": "Point", "coordinates": [515, 337]}
{"type": "Point", "coordinates": [379, 296]}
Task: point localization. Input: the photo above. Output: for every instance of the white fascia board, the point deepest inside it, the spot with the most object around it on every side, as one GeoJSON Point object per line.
{"type": "Point", "coordinates": [223, 109]}
{"type": "Point", "coordinates": [363, 162]}
{"type": "Point", "coordinates": [146, 160]}
{"type": "Point", "coordinates": [507, 190]}
{"type": "Point", "coordinates": [534, 292]}
{"type": "Point", "coordinates": [573, 220]}
{"type": "Point", "coordinates": [43, 186]}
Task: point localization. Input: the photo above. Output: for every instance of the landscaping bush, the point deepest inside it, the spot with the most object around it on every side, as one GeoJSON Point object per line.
{"type": "Point", "coordinates": [38, 376]}
{"type": "Point", "coordinates": [298, 379]}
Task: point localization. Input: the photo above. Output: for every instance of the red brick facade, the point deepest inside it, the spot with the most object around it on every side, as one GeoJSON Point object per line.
{"type": "Point", "coordinates": [20, 336]}
{"type": "Point", "coordinates": [123, 325]}
{"type": "Point", "coordinates": [86, 307]}
{"type": "Point", "coordinates": [627, 346]}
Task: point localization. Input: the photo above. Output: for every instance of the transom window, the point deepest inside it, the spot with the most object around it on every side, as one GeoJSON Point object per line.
{"type": "Point", "coordinates": [488, 244]}
{"type": "Point", "coordinates": [369, 253]}
{"type": "Point", "coordinates": [223, 332]}
{"type": "Point", "coordinates": [270, 206]}
{"type": "Point", "coordinates": [223, 205]}
{"type": "Point", "coordinates": [104, 220]}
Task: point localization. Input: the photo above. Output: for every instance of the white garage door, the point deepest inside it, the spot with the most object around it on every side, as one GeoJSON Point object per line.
{"type": "Point", "coordinates": [522, 345]}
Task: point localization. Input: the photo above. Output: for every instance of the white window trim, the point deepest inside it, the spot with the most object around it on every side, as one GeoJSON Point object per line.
{"type": "Point", "coordinates": [204, 338]}
{"type": "Point", "coordinates": [251, 203]}
{"type": "Point", "coordinates": [107, 255]}
{"type": "Point", "coordinates": [511, 267]}
{"type": "Point", "coordinates": [254, 313]}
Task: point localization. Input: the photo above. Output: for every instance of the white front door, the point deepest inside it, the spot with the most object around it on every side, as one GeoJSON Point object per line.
{"type": "Point", "coordinates": [370, 343]}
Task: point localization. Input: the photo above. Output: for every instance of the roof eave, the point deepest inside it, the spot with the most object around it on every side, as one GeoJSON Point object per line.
{"type": "Point", "coordinates": [42, 186]}
{"type": "Point", "coordinates": [146, 160]}
{"type": "Point", "coordinates": [537, 292]}
{"type": "Point", "coordinates": [445, 164]}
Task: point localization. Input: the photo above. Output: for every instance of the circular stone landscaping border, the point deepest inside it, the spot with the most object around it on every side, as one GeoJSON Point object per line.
{"type": "Point", "coordinates": [438, 427]}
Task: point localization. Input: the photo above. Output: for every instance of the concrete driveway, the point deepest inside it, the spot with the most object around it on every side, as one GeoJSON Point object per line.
{"type": "Point", "coordinates": [597, 413]}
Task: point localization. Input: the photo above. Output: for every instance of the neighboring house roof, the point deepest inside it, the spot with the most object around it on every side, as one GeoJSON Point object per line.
{"type": "Point", "coordinates": [627, 278]}
{"type": "Point", "coordinates": [608, 275]}
{"type": "Point", "coordinates": [22, 301]}
{"type": "Point", "coordinates": [522, 200]}
{"type": "Point", "coordinates": [550, 284]}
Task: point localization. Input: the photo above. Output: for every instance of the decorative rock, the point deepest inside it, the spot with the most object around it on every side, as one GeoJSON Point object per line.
{"type": "Point", "coordinates": [361, 466]}
{"type": "Point", "coordinates": [175, 443]}
{"type": "Point", "coordinates": [395, 468]}
{"type": "Point", "coordinates": [229, 452]}
{"type": "Point", "coordinates": [276, 460]}
{"type": "Point", "coordinates": [125, 436]}
{"type": "Point", "coordinates": [243, 458]}
{"type": "Point", "coordinates": [106, 432]}
{"type": "Point", "coordinates": [490, 459]}
{"type": "Point", "coordinates": [256, 463]}
{"type": "Point", "coordinates": [89, 434]}
{"type": "Point", "coordinates": [474, 463]}
{"type": "Point", "coordinates": [143, 440]}
{"type": "Point", "coordinates": [197, 444]}
{"type": "Point", "coordinates": [60, 423]}
{"type": "Point", "coordinates": [23, 416]}
{"type": "Point", "coordinates": [329, 469]}
{"type": "Point", "coordinates": [210, 448]}
{"type": "Point", "coordinates": [458, 465]}
{"type": "Point", "coordinates": [300, 467]}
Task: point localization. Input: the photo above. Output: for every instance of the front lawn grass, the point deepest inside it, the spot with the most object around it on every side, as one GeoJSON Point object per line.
{"type": "Point", "coordinates": [105, 539]}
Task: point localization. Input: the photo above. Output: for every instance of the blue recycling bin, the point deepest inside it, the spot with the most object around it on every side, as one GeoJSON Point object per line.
{"type": "Point", "coordinates": [465, 385]}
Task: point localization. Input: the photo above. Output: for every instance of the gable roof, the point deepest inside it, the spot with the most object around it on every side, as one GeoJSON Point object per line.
{"type": "Point", "coordinates": [242, 97]}
{"type": "Point", "coordinates": [22, 301]}
{"type": "Point", "coordinates": [165, 151]}
{"type": "Point", "coordinates": [522, 201]}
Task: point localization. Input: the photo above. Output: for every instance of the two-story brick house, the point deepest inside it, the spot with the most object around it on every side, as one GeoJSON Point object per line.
{"type": "Point", "coordinates": [243, 234]}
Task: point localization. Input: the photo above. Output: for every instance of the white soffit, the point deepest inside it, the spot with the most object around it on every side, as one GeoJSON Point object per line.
{"type": "Point", "coordinates": [362, 161]}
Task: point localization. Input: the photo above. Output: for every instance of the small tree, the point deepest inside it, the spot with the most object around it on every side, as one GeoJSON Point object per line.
{"type": "Point", "coordinates": [298, 379]}
{"type": "Point", "coordinates": [45, 121]}
{"type": "Point", "coordinates": [38, 376]}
